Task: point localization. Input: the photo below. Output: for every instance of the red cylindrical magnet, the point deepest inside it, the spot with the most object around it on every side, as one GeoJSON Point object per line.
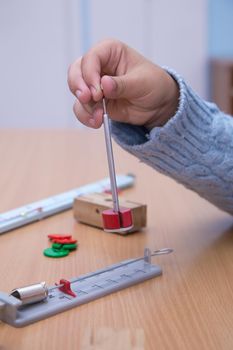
{"type": "Point", "coordinates": [126, 217]}
{"type": "Point", "coordinates": [114, 221]}
{"type": "Point", "coordinates": [111, 220]}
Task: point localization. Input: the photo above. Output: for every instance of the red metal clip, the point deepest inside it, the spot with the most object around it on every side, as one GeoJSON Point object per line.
{"type": "Point", "coordinates": [66, 288]}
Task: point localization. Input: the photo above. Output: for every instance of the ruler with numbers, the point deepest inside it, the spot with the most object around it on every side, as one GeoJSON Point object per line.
{"type": "Point", "coordinates": [52, 205]}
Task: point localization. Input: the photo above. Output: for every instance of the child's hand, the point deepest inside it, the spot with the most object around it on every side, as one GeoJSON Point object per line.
{"type": "Point", "coordinates": [136, 90]}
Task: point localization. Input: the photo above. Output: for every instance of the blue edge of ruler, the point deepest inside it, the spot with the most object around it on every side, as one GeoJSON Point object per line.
{"type": "Point", "coordinates": [52, 205]}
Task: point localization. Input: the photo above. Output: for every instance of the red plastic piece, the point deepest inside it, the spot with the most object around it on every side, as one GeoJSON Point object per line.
{"type": "Point", "coordinates": [64, 240]}
{"type": "Point", "coordinates": [66, 288]}
{"type": "Point", "coordinates": [56, 236]}
{"type": "Point", "coordinates": [126, 217]}
{"type": "Point", "coordinates": [111, 219]}
{"type": "Point", "coordinates": [114, 221]}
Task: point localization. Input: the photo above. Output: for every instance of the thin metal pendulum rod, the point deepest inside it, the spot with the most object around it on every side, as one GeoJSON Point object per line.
{"type": "Point", "coordinates": [111, 166]}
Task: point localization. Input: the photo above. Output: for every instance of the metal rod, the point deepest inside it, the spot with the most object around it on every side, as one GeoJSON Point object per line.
{"type": "Point", "coordinates": [111, 166]}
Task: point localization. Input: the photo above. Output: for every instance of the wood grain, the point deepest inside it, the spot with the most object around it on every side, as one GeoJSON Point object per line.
{"type": "Point", "coordinates": [189, 307]}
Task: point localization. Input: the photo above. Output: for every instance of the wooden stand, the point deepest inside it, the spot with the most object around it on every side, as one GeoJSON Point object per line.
{"type": "Point", "coordinates": [88, 210]}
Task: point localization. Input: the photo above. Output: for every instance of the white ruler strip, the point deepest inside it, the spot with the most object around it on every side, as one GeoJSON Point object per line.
{"type": "Point", "coordinates": [55, 204]}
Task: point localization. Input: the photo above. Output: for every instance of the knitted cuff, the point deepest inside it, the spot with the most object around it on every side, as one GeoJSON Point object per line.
{"type": "Point", "coordinates": [194, 147]}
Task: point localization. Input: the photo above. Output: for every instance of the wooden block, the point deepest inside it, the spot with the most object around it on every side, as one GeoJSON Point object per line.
{"type": "Point", "coordinates": [88, 210]}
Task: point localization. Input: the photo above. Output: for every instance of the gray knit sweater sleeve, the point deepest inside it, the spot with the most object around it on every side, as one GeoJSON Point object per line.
{"type": "Point", "coordinates": [195, 147]}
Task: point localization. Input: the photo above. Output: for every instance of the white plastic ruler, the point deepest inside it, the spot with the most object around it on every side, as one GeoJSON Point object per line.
{"type": "Point", "coordinates": [55, 204]}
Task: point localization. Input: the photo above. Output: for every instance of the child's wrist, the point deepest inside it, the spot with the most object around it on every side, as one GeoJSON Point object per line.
{"type": "Point", "coordinates": [168, 106]}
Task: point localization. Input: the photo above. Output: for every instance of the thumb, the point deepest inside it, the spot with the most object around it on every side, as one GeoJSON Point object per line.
{"type": "Point", "coordinates": [118, 87]}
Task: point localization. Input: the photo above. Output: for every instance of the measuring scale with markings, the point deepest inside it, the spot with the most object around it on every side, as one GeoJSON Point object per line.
{"type": "Point", "coordinates": [35, 302]}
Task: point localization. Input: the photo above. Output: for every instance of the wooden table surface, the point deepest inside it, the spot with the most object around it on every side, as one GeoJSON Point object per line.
{"type": "Point", "coordinates": [189, 307]}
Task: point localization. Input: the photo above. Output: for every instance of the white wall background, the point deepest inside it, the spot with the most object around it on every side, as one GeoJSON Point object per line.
{"type": "Point", "coordinates": [39, 39]}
